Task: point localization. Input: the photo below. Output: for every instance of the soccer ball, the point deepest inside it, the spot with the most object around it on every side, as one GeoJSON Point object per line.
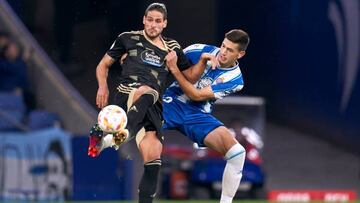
{"type": "Point", "coordinates": [112, 119]}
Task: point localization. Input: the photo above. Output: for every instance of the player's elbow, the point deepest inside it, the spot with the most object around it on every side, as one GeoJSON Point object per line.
{"type": "Point", "coordinates": [192, 80]}
{"type": "Point", "coordinates": [189, 77]}
{"type": "Point", "coordinates": [102, 66]}
{"type": "Point", "coordinates": [105, 62]}
{"type": "Point", "coordinates": [195, 97]}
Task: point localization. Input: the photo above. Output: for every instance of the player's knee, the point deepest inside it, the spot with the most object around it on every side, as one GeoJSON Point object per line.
{"type": "Point", "coordinates": [152, 154]}
{"type": "Point", "coordinates": [236, 154]}
{"type": "Point", "coordinates": [148, 90]}
{"type": "Point", "coordinates": [143, 90]}
{"type": "Point", "coordinates": [150, 147]}
{"type": "Point", "coordinates": [140, 91]}
{"type": "Point", "coordinates": [154, 94]}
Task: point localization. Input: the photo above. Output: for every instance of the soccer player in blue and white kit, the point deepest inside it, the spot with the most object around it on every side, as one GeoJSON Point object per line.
{"type": "Point", "coordinates": [187, 107]}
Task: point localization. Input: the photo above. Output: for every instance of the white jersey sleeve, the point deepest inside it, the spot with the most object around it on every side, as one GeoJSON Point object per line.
{"type": "Point", "coordinates": [227, 83]}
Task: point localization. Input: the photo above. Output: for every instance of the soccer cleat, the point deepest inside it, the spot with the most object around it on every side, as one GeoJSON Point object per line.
{"type": "Point", "coordinates": [95, 141]}
{"type": "Point", "coordinates": [120, 138]}
{"type": "Point", "coordinates": [104, 142]}
{"type": "Point", "coordinates": [94, 149]}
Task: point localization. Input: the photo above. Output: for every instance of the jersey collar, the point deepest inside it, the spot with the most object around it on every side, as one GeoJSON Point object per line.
{"type": "Point", "coordinates": [161, 38]}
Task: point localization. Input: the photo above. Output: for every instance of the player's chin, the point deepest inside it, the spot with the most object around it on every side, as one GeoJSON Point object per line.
{"type": "Point", "coordinates": [154, 35]}
{"type": "Point", "coordinates": [222, 60]}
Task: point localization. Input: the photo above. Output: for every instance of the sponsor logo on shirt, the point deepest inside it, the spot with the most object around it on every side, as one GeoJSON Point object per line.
{"type": "Point", "coordinates": [150, 57]}
{"type": "Point", "coordinates": [220, 80]}
{"type": "Point", "coordinates": [204, 82]}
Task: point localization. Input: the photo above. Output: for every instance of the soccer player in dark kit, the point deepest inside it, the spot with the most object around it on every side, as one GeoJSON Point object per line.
{"type": "Point", "coordinates": [143, 79]}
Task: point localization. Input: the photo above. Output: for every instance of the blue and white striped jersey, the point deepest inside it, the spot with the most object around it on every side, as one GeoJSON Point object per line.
{"type": "Point", "coordinates": [223, 81]}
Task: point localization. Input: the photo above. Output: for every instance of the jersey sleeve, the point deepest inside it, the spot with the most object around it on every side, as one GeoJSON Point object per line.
{"type": "Point", "coordinates": [227, 83]}
{"type": "Point", "coordinates": [194, 51]}
{"type": "Point", "coordinates": [117, 49]}
{"type": "Point", "coordinates": [183, 62]}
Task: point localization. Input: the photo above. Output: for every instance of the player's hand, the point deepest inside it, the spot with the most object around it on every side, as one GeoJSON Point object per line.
{"type": "Point", "coordinates": [102, 97]}
{"type": "Point", "coordinates": [171, 61]}
{"type": "Point", "coordinates": [210, 60]}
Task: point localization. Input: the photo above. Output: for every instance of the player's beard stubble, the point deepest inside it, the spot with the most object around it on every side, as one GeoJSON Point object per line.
{"type": "Point", "coordinates": [152, 33]}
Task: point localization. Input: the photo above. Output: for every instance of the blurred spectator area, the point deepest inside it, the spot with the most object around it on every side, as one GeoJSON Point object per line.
{"type": "Point", "coordinates": [29, 77]}
{"type": "Point", "coordinates": [17, 103]}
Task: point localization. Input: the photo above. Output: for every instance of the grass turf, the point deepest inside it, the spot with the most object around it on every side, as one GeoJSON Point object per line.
{"type": "Point", "coordinates": [191, 201]}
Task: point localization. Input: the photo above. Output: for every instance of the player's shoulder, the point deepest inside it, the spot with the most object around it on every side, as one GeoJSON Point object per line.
{"type": "Point", "coordinates": [134, 34]}
{"type": "Point", "coordinates": [171, 43]}
{"type": "Point", "coordinates": [233, 75]}
{"type": "Point", "coordinates": [200, 48]}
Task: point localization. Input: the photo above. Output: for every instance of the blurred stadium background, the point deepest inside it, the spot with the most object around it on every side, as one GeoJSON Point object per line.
{"type": "Point", "coordinates": [301, 97]}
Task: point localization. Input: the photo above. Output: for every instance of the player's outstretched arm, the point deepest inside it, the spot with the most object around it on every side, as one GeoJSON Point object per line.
{"type": "Point", "coordinates": [102, 71]}
{"type": "Point", "coordinates": [188, 88]}
{"type": "Point", "coordinates": [194, 73]}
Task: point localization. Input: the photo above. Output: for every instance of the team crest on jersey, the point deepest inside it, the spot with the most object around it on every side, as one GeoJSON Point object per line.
{"type": "Point", "coordinates": [204, 82]}
{"type": "Point", "coordinates": [220, 80]}
{"type": "Point", "coordinates": [150, 57]}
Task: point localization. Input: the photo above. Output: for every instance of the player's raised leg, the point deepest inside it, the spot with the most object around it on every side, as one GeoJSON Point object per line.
{"type": "Point", "coordinates": [138, 102]}
{"type": "Point", "coordinates": [143, 98]}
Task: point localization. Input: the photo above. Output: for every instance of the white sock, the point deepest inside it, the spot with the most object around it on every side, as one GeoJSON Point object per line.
{"type": "Point", "coordinates": [107, 141]}
{"type": "Point", "coordinates": [232, 173]}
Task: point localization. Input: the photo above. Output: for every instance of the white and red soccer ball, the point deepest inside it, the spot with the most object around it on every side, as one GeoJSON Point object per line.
{"type": "Point", "coordinates": [112, 119]}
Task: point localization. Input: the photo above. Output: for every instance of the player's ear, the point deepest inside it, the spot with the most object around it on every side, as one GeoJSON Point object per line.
{"type": "Point", "coordinates": [241, 54]}
{"type": "Point", "coordinates": [165, 23]}
{"type": "Point", "coordinates": [144, 20]}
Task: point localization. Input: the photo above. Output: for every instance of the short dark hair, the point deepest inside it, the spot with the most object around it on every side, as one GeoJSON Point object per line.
{"type": "Point", "coordinates": [239, 37]}
{"type": "Point", "coordinates": [157, 7]}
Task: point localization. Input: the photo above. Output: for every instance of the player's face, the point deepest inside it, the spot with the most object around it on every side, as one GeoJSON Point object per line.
{"type": "Point", "coordinates": [229, 53]}
{"type": "Point", "coordinates": [154, 24]}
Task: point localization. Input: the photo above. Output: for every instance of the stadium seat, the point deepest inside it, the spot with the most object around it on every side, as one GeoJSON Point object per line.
{"type": "Point", "coordinates": [40, 119]}
{"type": "Point", "coordinates": [12, 111]}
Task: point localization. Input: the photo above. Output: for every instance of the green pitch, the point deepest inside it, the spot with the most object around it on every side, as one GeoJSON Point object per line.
{"type": "Point", "coordinates": [173, 201]}
{"type": "Point", "coordinates": [176, 201]}
{"type": "Point", "coordinates": [192, 201]}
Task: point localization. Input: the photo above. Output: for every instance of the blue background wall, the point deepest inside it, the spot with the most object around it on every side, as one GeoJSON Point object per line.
{"type": "Point", "coordinates": [298, 61]}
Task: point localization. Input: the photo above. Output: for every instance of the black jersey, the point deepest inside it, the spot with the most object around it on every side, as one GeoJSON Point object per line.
{"type": "Point", "coordinates": [145, 63]}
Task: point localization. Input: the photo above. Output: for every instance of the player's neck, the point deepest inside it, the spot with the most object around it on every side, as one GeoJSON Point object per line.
{"type": "Point", "coordinates": [229, 65]}
{"type": "Point", "coordinates": [157, 41]}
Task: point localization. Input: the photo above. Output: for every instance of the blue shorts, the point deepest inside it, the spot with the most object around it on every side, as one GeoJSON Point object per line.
{"type": "Point", "coordinates": [189, 120]}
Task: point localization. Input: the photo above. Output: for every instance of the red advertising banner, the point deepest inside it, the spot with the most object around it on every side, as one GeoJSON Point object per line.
{"type": "Point", "coordinates": [311, 195]}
